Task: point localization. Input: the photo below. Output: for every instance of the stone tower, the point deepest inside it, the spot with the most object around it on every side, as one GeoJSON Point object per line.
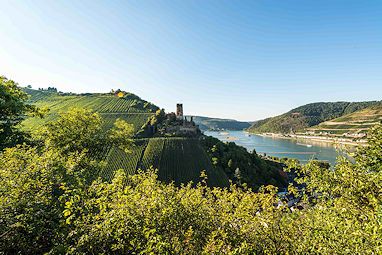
{"type": "Point", "coordinates": [179, 111]}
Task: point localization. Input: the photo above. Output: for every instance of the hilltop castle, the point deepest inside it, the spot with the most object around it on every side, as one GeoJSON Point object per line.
{"type": "Point", "coordinates": [177, 123]}
{"type": "Point", "coordinates": [179, 111]}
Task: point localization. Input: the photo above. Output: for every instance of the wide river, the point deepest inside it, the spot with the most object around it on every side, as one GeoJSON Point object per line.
{"type": "Point", "coordinates": [303, 150]}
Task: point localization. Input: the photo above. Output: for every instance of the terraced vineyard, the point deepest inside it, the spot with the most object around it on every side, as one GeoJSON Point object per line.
{"type": "Point", "coordinates": [354, 123]}
{"type": "Point", "coordinates": [130, 108]}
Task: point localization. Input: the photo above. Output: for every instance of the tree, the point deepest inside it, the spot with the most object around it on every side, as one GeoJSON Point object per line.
{"type": "Point", "coordinates": [121, 135]}
{"type": "Point", "coordinates": [75, 131]}
{"type": "Point", "coordinates": [39, 184]}
{"type": "Point", "coordinates": [34, 188]}
{"type": "Point", "coordinates": [238, 175]}
{"type": "Point", "coordinates": [230, 164]}
{"type": "Point", "coordinates": [13, 108]}
{"type": "Point", "coordinates": [344, 205]}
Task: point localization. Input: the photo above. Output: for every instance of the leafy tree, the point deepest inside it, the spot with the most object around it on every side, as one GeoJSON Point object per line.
{"type": "Point", "coordinates": [254, 171]}
{"type": "Point", "coordinates": [38, 184]}
{"type": "Point", "coordinates": [238, 175]}
{"type": "Point", "coordinates": [79, 130]}
{"type": "Point", "coordinates": [34, 186]}
{"type": "Point", "coordinates": [75, 130]}
{"type": "Point", "coordinates": [13, 108]}
{"type": "Point", "coordinates": [122, 135]}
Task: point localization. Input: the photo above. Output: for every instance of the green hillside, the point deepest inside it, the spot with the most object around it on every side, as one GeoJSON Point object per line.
{"type": "Point", "coordinates": [352, 124]}
{"type": "Point", "coordinates": [130, 108]}
{"type": "Point", "coordinates": [206, 123]}
{"type": "Point", "coordinates": [307, 116]}
{"type": "Point", "coordinates": [177, 159]}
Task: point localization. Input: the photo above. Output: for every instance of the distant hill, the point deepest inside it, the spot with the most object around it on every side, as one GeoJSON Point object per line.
{"type": "Point", "coordinates": [307, 116]}
{"type": "Point", "coordinates": [206, 123]}
{"type": "Point", "coordinates": [354, 123]}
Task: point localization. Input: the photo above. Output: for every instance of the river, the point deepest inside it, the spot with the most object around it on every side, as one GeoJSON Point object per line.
{"type": "Point", "coordinates": [303, 150]}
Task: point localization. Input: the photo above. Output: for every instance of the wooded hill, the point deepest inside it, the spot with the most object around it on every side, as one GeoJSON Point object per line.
{"type": "Point", "coordinates": [306, 116]}
{"type": "Point", "coordinates": [177, 159]}
{"type": "Point", "coordinates": [207, 123]}
{"type": "Point", "coordinates": [354, 123]}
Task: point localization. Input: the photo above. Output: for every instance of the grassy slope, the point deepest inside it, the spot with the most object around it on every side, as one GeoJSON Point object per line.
{"type": "Point", "coordinates": [307, 116]}
{"type": "Point", "coordinates": [356, 122]}
{"type": "Point", "coordinates": [177, 159]}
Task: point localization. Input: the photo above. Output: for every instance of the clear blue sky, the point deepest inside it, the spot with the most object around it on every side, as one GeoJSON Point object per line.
{"type": "Point", "coordinates": [235, 59]}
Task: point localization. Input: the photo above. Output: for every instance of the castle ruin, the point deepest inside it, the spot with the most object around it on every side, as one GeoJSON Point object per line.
{"type": "Point", "coordinates": [179, 111]}
{"type": "Point", "coordinates": [178, 124]}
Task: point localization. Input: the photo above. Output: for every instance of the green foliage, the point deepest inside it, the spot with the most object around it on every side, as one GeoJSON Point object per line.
{"type": "Point", "coordinates": [183, 160]}
{"type": "Point", "coordinates": [13, 109]}
{"type": "Point", "coordinates": [149, 217]}
{"type": "Point", "coordinates": [40, 184]}
{"type": "Point", "coordinates": [55, 196]}
{"type": "Point", "coordinates": [152, 124]}
{"type": "Point", "coordinates": [46, 206]}
{"type": "Point", "coordinates": [34, 185]}
{"type": "Point", "coordinates": [345, 204]}
{"type": "Point", "coordinates": [121, 135]}
{"type": "Point", "coordinates": [240, 165]}
{"type": "Point", "coordinates": [75, 130]}
{"type": "Point", "coordinates": [137, 120]}
{"type": "Point", "coordinates": [129, 108]}
{"type": "Point", "coordinates": [369, 158]}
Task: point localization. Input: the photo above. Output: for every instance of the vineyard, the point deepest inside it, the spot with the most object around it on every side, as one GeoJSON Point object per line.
{"type": "Point", "coordinates": [137, 119]}
{"type": "Point", "coordinates": [177, 159]}
{"type": "Point", "coordinates": [353, 123]}
{"type": "Point", "coordinates": [119, 159]}
{"type": "Point", "coordinates": [131, 108]}
{"type": "Point", "coordinates": [153, 153]}
{"type": "Point", "coordinates": [183, 160]}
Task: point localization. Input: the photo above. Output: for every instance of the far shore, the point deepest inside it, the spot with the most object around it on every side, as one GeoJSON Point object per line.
{"type": "Point", "coordinates": [326, 139]}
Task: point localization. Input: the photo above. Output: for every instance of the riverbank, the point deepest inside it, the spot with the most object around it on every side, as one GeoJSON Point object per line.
{"type": "Point", "coordinates": [303, 150]}
{"type": "Point", "coordinates": [326, 139]}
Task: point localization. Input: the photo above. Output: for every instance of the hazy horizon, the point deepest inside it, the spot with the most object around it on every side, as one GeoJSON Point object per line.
{"type": "Point", "coordinates": [244, 60]}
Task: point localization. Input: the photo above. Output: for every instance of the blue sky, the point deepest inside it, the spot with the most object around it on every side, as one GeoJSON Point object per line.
{"type": "Point", "coordinates": [233, 59]}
